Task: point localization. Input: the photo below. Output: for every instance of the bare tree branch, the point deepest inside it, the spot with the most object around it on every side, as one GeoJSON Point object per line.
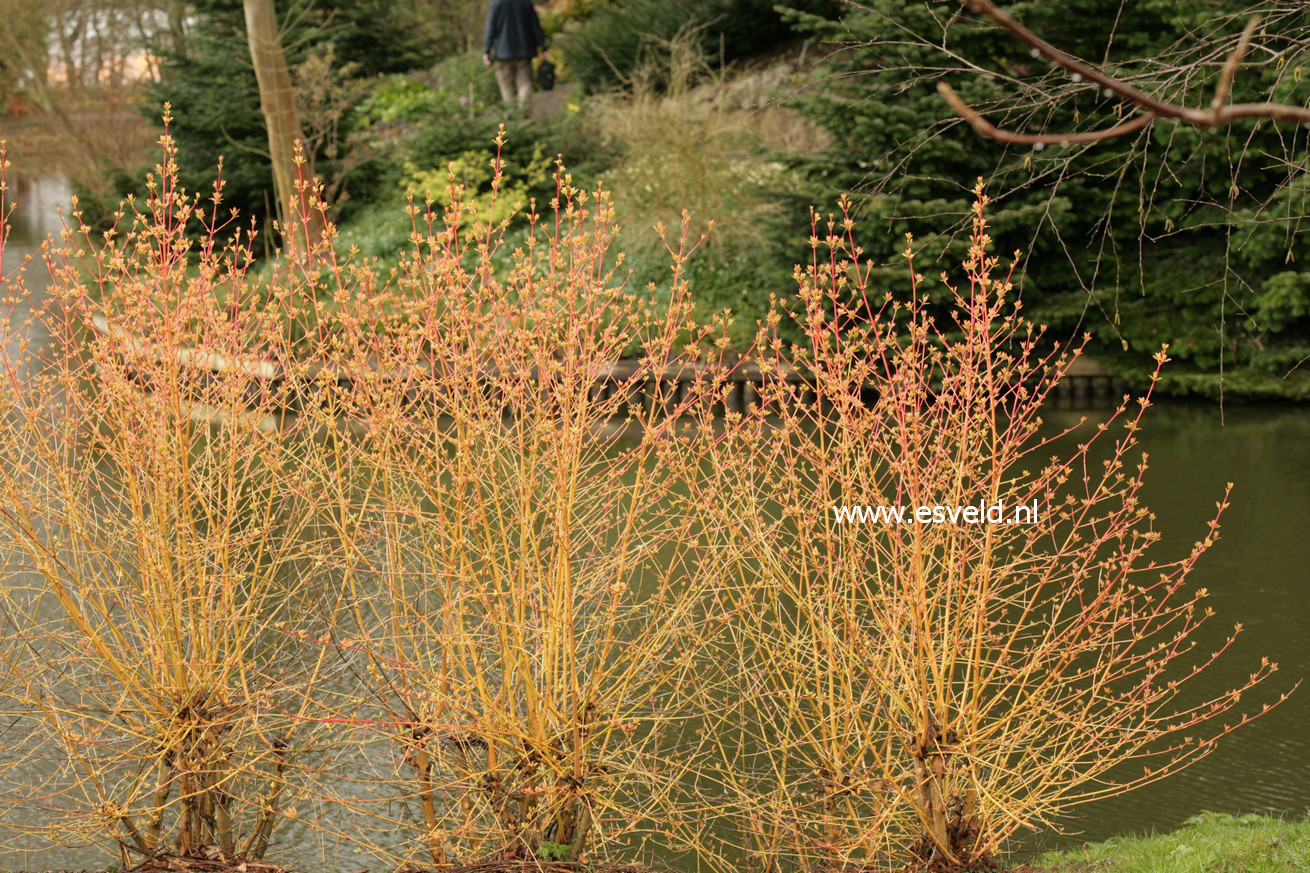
{"type": "Point", "coordinates": [991, 131]}
{"type": "Point", "coordinates": [1220, 111]}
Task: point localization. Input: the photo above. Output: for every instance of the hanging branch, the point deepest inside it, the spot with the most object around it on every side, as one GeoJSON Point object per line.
{"type": "Point", "coordinates": [1218, 113]}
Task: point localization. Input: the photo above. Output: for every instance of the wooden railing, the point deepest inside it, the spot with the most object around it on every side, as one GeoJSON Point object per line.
{"type": "Point", "coordinates": [1085, 382]}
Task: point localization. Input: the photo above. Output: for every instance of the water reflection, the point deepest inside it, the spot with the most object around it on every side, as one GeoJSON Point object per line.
{"type": "Point", "coordinates": [1258, 574]}
{"type": "Point", "coordinates": [40, 200]}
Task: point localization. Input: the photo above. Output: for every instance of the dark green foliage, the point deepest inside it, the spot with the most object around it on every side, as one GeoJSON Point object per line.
{"type": "Point", "coordinates": [215, 96]}
{"type": "Point", "coordinates": [216, 111]}
{"type": "Point", "coordinates": [1175, 235]}
{"type": "Point", "coordinates": [743, 284]}
{"type": "Point", "coordinates": [609, 46]}
{"type": "Point", "coordinates": [373, 35]}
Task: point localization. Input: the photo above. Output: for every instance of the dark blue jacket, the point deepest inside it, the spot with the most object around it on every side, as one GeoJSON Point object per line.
{"type": "Point", "coordinates": [513, 30]}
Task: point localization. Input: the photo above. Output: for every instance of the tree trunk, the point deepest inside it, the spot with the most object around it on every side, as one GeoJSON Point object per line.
{"type": "Point", "coordinates": [277, 100]}
{"type": "Point", "coordinates": [177, 26]}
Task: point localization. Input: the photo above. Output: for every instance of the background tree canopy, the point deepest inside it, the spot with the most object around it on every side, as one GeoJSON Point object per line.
{"type": "Point", "coordinates": [1175, 235]}
{"type": "Point", "coordinates": [748, 111]}
{"type": "Point", "coordinates": [211, 81]}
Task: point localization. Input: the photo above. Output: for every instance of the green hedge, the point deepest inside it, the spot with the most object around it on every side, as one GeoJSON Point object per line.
{"type": "Point", "coordinates": [1175, 235]}
{"type": "Point", "coordinates": [608, 46]}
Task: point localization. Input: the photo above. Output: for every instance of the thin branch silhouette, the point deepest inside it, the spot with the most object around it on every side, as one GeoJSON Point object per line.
{"type": "Point", "coordinates": [1219, 112]}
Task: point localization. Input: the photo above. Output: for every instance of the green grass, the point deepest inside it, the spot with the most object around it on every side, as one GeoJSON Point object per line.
{"type": "Point", "coordinates": [1208, 843]}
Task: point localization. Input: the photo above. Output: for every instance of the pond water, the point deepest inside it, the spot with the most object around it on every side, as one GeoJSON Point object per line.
{"type": "Point", "coordinates": [1258, 574]}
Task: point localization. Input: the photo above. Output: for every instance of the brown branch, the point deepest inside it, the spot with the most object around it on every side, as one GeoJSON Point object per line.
{"type": "Point", "coordinates": [989, 130]}
{"type": "Point", "coordinates": [1234, 61]}
{"type": "Point", "coordinates": [1217, 114]}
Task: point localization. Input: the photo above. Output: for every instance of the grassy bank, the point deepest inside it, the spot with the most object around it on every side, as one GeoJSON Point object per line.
{"type": "Point", "coordinates": [1208, 843]}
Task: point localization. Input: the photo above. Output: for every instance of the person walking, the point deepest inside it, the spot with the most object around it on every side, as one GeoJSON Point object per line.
{"type": "Point", "coordinates": [512, 38]}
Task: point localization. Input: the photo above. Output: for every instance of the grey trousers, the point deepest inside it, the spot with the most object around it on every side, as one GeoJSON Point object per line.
{"type": "Point", "coordinates": [514, 76]}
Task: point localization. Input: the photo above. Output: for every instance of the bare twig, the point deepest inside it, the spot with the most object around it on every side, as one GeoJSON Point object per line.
{"type": "Point", "coordinates": [1219, 112]}
{"type": "Point", "coordinates": [989, 130]}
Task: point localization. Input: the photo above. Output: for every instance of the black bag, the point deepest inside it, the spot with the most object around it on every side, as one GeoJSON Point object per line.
{"type": "Point", "coordinates": [546, 76]}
